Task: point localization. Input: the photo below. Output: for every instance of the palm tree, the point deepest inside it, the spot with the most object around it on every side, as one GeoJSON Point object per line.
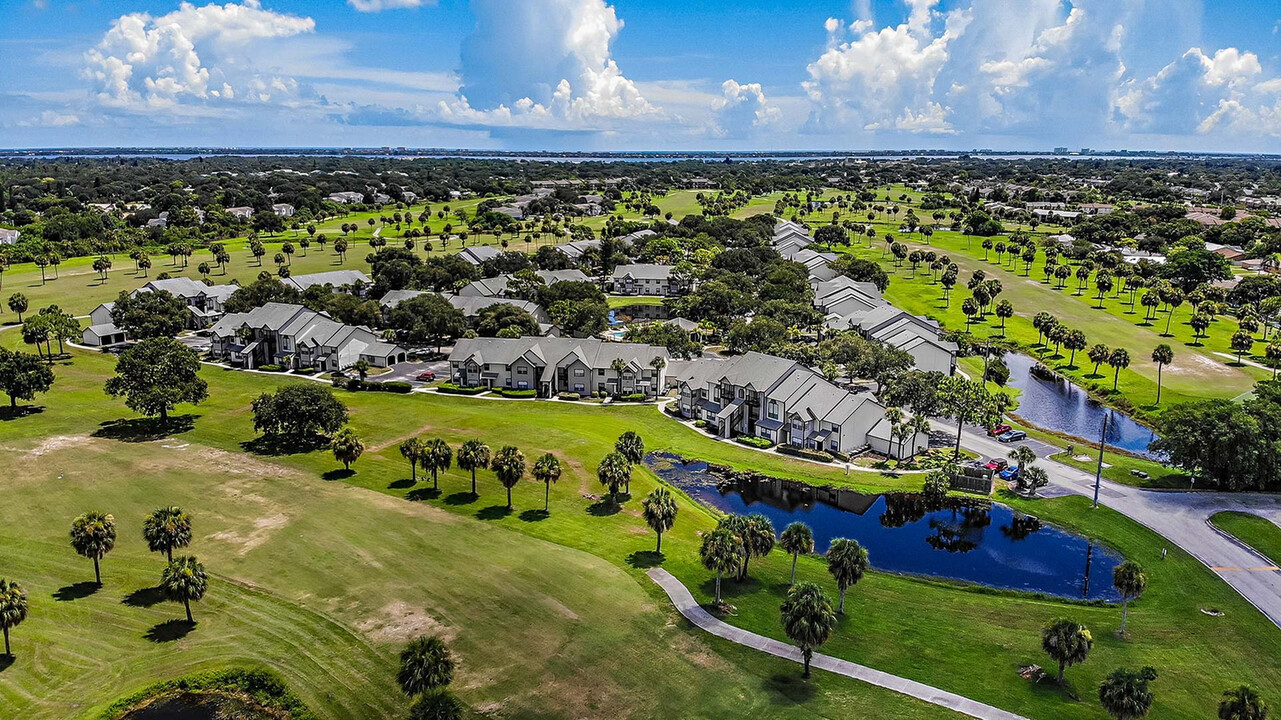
{"type": "Point", "coordinates": [1023, 456]}
{"type": "Point", "coordinates": [436, 456]}
{"type": "Point", "coordinates": [1074, 341]}
{"type": "Point", "coordinates": [1125, 694]}
{"type": "Point", "coordinates": [659, 510]}
{"type": "Point", "coordinates": [347, 447]}
{"type": "Point", "coordinates": [757, 536]}
{"type": "Point", "coordinates": [1118, 359]}
{"type": "Point", "coordinates": [167, 529]}
{"type": "Point", "coordinates": [807, 619]}
{"type": "Point", "coordinates": [797, 539]}
{"type": "Point", "coordinates": [1242, 342]}
{"type": "Point", "coordinates": [93, 535]}
{"type": "Point", "coordinates": [547, 471]}
{"type": "Point", "coordinates": [614, 471]}
{"type": "Point", "coordinates": [509, 465]}
{"type": "Point", "coordinates": [1067, 642]}
{"type": "Point", "coordinates": [618, 365]}
{"type": "Point", "coordinates": [1129, 579]}
{"type": "Point", "coordinates": [1099, 354]}
{"type": "Point", "coordinates": [184, 580]}
{"type": "Point", "coordinates": [1004, 311]}
{"type": "Point", "coordinates": [13, 609]}
{"type": "Point", "coordinates": [1273, 353]}
{"type": "Point", "coordinates": [658, 363]}
{"type": "Point", "coordinates": [632, 447]}
{"type": "Point", "coordinates": [1163, 355]}
{"type": "Point", "coordinates": [1242, 703]}
{"type": "Point", "coordinates": [425, 665]}
{"type": "Point", "coordinates": [720, 553]}
{"type": "Point", "coordinates": [412, 450]}
{"type": "Point", "coordinates": [473, 455]}
{"type": "Point", "coordinates": [847, 562]}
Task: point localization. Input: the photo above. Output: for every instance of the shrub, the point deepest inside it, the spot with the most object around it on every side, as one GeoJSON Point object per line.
{"type": "Point", "coordinates": [633, 397]}
{"type": "Point", "coordinates": [270, 368]}
{"type": "Point", "coordinates": [515, 393]}
{"type": "Point", "coordinates": [700, 424]}
{"type": "Point", "coordinates": [391, 386]}
{"type": "Point", "coordinates": [756, 442]}
{"type": "Point", "coordinates": [569, 396]}
{"type": "Point", "coordinates": [305, 371]}
{"type": "Point", "coordinates": [452, 389]}
{"type": "Point", "coordinates": [264, 688]}
{"type": "Point", "coordinates": [803, 453]}
{"type": "Point", "coordinates": [298, 410]}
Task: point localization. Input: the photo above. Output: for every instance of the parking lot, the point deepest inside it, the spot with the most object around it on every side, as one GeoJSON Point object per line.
{"type": "Point", "coordinates": [410, 370]}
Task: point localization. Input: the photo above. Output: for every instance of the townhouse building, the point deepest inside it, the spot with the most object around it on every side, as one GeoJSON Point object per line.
{"type": "Point", "coordinates": [555, 365]}
{"type": "Point", "coordinates": [293, 336]}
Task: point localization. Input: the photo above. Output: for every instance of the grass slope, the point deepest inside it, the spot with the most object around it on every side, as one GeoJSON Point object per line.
{"type": "Point", "coordinates": [1259, 533]}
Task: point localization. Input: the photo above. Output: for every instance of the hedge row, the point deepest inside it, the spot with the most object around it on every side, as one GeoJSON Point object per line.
{"type": "Point", "coordinates": [395, 386]}
{"type": "Point", "coordinates": [756, 442]}
{"type": "Point", "coordinates": [514, 393]}
{"type": "Point", "coordinates": [802, 452]}
{"type": "Point", "coordinates": [452, 389]}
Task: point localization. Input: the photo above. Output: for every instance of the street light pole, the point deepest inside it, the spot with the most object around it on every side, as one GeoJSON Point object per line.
{"type": "Point", "coordinates": [1098, 473]}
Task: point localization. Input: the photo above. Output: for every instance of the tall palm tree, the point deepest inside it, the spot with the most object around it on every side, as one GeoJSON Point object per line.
{"type": "Point", "coordinates": [473, 455]}
{"type": "Point", "coordinates": [659, 511]}
{"type": "Point", "coordinates": [436, 456]}
{"type": "Point", "coordinates": [619, 366]}
{"type": "Point", "coordinates": [721, 553]}
{"type": "Point", "coordinates": [184, 580]}
{"type": "Point", "coordinates": [1023, 456]}
{"type": "Point", "coordinates": [167, 529]}
{"type": "Point", "coordinates": [412, 450]}
{"type": "Point", "coordinates": [1163, 355]}
{"type": "Point", "coordinates": [1118, 359]}
{"type": "Point", "coordinates": [632, 447]}
{"type": "Point", "coordinates": [658, 363]}
{"type": "Point", "coordinates": [425, 665]}
{"type": "Point", "coordinates": [1125, 694]}
{"type": "Point", "coordinates": [1242, 703]}
{"type": "Point", "coordinates": [807, 619]}
{"type": "Point", "coordinates": [1129, 579]}
{"type": "Point", "coordinates": [13, 609]}
{"type": "Point", "coordinates": [797, 540]}
{"type": "Point", "coordinates": [757, 535]}
{"type": "Point", "coordinates": [847, 562]}
{"type": "Point", "coordinates": [509, 465]}
{"type": "Point", "coordinates": [1067, 642]}
{"type": "Point", "coordinates": [614, 471]}
{"type": "Point", "coordinates": [93, 535]}
{"type": "Point", "coordinates": [547, 471]}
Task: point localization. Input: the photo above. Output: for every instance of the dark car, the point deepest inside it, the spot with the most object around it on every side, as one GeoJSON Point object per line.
{"type": "Point", "coordinates": [426, 376]}
{"type": "Point", "coordinates": [1012, 436]}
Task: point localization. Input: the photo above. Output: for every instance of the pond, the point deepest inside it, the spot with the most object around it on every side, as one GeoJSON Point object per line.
{"type": "Point", "coordinates": [972, 540]}
{"type": "Point", "coordinates": [1063, 407]}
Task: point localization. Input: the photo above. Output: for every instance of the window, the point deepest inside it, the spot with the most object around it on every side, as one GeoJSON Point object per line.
{"type": "Point", "coordinates": [740, 393]}
{"type": "Point", "coordinates": [522, 370]}
{"type": "Point", "coordinates": [601, 372]}
{"type": "Point", "coordinates": [578, 372]}
{"type": "Point", "coordinates": [773, 410]}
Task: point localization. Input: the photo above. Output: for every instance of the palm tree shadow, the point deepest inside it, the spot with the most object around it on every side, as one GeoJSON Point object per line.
{"type": "Point", "coordinates": [534, 515]}
{"type": "Point", "coordinates": [793, 688]}
{"type": "Point", "coordinates": [645, 559]}
{"type": "Point", "coordinates": [461, 498]}
{"type": "Point", "coordinates": [79, 590]}
{"type": "Point", "coordinates": [144, 597]}
{"type": "Point", "coordinates": [149, 429]}
{"type": "Point", "coordinates": [400, 484]}
{"type": "Point", "coordinates": [6, 661]}
{"type": "Point", "coordinates": [422, 494]}
{"type": "Point", "coordinates": [338, 474]}
{"type": "Point", "coordinates": [169, 630]}
{"type": "Point", "coordinates": [493, 512]}
{"type": "Point", "coordinates": [604, 507]}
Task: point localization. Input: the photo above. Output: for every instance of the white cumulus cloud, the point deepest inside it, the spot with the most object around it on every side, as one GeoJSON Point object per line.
{"type": "Point", "coordinates": [742, 109]}
{"type": "Point", "coordinates": [373, 6]}
{"type": "Point", "coordinates": [193, 53]}
{"type": "Point", "coordinates": [1200, 93]}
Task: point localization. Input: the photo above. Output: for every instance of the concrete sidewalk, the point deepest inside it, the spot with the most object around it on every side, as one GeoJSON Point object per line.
{"type": "Point", "coordinates": [688, 607]}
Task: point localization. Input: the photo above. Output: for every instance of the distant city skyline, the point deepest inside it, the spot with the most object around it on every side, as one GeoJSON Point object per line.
{"type": "Point", "coordinates": [645, 75]}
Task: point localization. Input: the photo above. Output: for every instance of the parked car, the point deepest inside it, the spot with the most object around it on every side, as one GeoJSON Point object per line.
{"type": "Point", "coordinates": [997, 464]}
{"type": "Point", "coordinates": [426, 376]}
{"type": "Point", "coordinates": [1012, 436]}
{"type": "Point", "coordinates": [1010, 473]}
{"type": "Point", "coordinates": [999, 430]}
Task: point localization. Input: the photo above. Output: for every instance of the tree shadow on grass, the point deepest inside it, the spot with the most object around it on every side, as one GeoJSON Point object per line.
{"type": "Point", "coordinates": [6, 661]}
{"type": "Point", "coordinates": [17, 413]}
{"type": "Point", "coordinates": [645, 559]}
{"type": "Point", "coordinates": [144, 597]}
{"type": "Point", "coordinates": [274, 446]}
{"type": "Point", "coordinates": [338, 474]}
{"type": "Point", "coordinates": [604, 507]}
{"type": "Point", "coordinates": [145, 429]}
{"type": "Point", "coordinates": [77, 591]}
{"type": "Point", "coordinates": [422, 494]}
{"type": "Point", "coordinates": [169, 630]}
{"type": "Point", "coordinates": [461, 498]}
{"type": "Point", "coordinates": [791, 687]}
{"type": "Point", "coordinates": [400, 484]}
{"type": "Point", "coordinates": [534, 515]}
{"type": "Point", "coordinates": [493, 512]}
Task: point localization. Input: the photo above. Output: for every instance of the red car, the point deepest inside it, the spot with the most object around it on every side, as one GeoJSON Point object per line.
{"type": "Point", "coordinates": [997, 464]}
{"type": "Point", "coordinates": [427, 376]}
{"type": "Point", "coordinates": [999, 430]}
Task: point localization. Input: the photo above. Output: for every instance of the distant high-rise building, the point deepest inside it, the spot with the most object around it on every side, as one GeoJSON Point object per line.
{"type": "Point", "coordinates": [1060, 151]}
{"type": "Point", "coordinates": [1085, 151]}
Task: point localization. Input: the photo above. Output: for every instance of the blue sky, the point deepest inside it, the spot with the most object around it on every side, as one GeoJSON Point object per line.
{"type": "Point", "coordinates": [644, 74]}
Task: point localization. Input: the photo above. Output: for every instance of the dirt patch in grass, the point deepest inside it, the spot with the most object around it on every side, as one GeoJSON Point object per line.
{"type": "Point", "coordinates": [398, 621]}
{"type": "Point", "coordinates": [61, 442]}
{"type": "Point", "coordinates": [1197, 365]}
{"type": "Point", "coordinates": [263, 528]}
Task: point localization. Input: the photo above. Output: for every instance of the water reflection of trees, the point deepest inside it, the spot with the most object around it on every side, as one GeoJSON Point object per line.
{"type": "Point", "coordinates": [1021, 527]}
{"type": "Point", "coordinates": [963, 530]}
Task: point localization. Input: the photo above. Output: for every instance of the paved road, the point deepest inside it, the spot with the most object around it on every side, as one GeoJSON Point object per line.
{"type": "Point", "coordinates": [687, 606]}
{"type": "Point", "coordinates": [1182, 518]}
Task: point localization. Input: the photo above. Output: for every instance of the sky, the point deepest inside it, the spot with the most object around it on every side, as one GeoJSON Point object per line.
{"type": "Point", "coordinates": [643, 74]}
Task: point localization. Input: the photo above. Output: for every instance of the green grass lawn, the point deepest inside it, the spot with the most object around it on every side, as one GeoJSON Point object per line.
{"type": "Point", "coordinates": [550, 616]}
{"type": "Point", "coordinates": [615, 301]}
{"type": "Point", "coordinates": [1259, 533]}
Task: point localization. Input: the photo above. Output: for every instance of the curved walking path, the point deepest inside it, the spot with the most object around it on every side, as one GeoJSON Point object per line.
{"type": "Point", "coordinates": [688, 607]}
{"type": "Point", "coordinates": [1182, 518]}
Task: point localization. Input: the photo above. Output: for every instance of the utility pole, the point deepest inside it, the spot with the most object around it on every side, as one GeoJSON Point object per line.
{"type": "Point", "coordinates": [1098, 473]}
